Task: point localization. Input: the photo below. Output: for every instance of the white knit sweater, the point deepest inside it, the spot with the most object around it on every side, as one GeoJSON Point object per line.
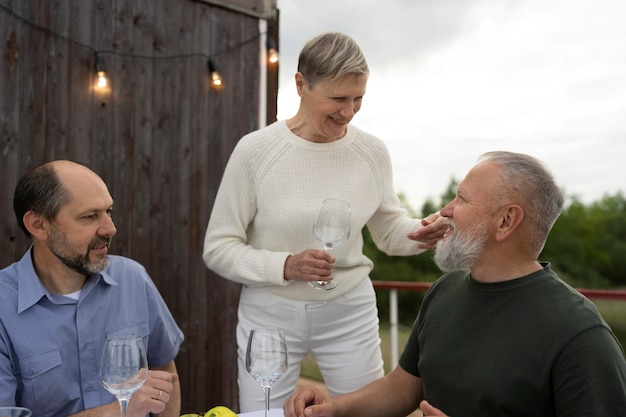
{"type": "Point", "coordinates": [270, 196]}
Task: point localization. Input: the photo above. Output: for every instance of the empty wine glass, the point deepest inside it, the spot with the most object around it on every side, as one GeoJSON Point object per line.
{"type": "Point", "coordinates": [266, 358]}
{"type": "Point", "coordinates": [124, 368]}
{"type": "Point", "coordinates": [14, 412]}
{"type": "Point", "coordinates": [332, 228]}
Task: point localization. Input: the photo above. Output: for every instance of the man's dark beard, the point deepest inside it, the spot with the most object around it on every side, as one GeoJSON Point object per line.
{"type": "Point", "coordinates": [78, 263]}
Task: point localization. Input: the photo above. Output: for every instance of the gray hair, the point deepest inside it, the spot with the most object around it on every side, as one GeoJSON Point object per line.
{"type": "Point", "coordinates": [39, 191]}
{"type": "Point", "coordinates": [525, 177]}
{"type": "Point", "coordinates": [331, 56]}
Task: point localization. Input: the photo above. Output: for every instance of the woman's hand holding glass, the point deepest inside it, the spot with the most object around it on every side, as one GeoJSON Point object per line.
{"type": "Point", "coordinates": [310, 265]}
{"type": "Point", "coordinates": [332, 228]}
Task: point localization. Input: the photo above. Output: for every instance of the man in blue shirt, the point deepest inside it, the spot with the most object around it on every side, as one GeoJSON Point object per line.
{"type": "Point", "coordinates": [60, 302]}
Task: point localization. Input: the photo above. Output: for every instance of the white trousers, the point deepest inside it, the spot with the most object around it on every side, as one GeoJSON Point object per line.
{"type": "Point", "coordinates": [342, 335]}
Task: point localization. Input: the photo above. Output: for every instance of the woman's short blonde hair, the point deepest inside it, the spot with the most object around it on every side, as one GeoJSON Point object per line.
{"type": "Point", "coordinates": [331, 56]}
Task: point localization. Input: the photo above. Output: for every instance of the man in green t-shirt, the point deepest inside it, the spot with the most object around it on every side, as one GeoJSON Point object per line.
{"type": "Point", "coordinates": [499, 334]}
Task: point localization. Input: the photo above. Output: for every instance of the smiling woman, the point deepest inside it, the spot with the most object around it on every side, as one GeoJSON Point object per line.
{"type": "Point", "coordinates": [260, 232]}
{"type": "Point", "coordinates": [327, 107]}
{"type": "Point", "coordinates": [330, 93]}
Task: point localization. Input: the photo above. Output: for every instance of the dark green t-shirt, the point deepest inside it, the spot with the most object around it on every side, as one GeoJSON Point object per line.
{"type": "Point", "coordinates": [532, 346]}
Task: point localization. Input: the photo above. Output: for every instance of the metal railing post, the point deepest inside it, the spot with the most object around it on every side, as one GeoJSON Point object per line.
{"type": "Point", "coordinates": [393, 322]}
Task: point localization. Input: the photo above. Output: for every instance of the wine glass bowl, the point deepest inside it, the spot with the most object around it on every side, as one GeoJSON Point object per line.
{"type": "Point", "coordinates": [266, 358]}
{"type": "Point", "coordinates": [332, 228]}
{"type": "Point", "coordinates": [124, 368]}
{"type": "Point", "coordinates": [15, 412]}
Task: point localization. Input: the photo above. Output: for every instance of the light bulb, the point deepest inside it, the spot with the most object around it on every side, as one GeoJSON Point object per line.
{"type": "Point", "coordinates": [216, 78]}
{"type": "Point", "coordinates": [101, 73]}
{"type": "Point", "coordinates": [272, 53]}
{"type": "Point", "coordinates": [102, 79]}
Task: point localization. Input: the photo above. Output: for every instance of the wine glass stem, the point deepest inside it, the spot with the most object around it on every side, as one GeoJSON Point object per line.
{"type": "Point", "coordinates": [123, 406]}
{"type": "Point", "coordinates": [266, 391]}
{"type": "Point", "coordinates": [329, 250]}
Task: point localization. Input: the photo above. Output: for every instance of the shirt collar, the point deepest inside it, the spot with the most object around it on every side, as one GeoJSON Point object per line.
{"type": "Point", "coordinates": [29, 287]}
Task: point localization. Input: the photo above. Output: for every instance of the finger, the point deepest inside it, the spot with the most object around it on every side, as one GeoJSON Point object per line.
{"type": "Point", "coordinates": [429, 410]}
{"type": "Point", "coordinates": [161, 395]}
{"type": "Point", "coordinates": [289, 409]}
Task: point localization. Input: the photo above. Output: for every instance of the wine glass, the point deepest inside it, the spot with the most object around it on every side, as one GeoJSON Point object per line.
{"type": "Point", "coordinates": [124, 368]}
{"type": "Point", "coordinates": [332, 228]}
{"type": "Point", "coordinates": [266, 358]}
{"type": "Point", "coordinates": [14, 412]}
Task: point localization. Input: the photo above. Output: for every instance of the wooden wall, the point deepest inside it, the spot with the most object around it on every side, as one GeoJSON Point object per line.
{"type": "Point", "coordinates": [160, 138]}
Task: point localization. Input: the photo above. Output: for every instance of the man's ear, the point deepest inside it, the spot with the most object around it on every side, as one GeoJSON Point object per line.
{"type": "Point", "coordinates": [508, 219]}
{"type": "Point", "coordinates": [36, 225]}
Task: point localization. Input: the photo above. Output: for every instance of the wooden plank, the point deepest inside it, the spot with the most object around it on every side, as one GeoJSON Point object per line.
{"type": "Point", "coordinates": [79, 80]}
{"type": "Point", "coordinates": [160, 138]}
{"type": "Point", "coordinates": [12, 240]}
{"type": "Point", "coordinates": [34, 143]}
{"type": "Point", "coordinates": [57, 86]}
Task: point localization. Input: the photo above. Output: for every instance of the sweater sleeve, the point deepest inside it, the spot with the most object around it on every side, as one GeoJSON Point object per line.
{"type": "Point", "coordinates": [226, 249]}
{"type": "Point", "coordinates": [390, 223]}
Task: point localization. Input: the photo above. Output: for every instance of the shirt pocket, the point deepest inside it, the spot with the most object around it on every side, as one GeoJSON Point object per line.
{"type": "Point", "coordinates": [45, 385]}
{"type": "Point", "coordinates": [139, 329]}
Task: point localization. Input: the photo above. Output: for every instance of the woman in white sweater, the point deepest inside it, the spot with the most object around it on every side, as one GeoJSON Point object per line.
{"type": "Point", "coordinates": [260, 230]}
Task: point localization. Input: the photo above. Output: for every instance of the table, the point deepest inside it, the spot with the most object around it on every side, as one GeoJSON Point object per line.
{"type": "Point", "coordinates": [274, 412]}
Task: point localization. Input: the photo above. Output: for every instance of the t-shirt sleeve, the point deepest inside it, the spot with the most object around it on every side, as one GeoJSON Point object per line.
{"type": "Point", "coordinates": [589, 376]}
{"type": "Point", "coordinates": [410, 355]}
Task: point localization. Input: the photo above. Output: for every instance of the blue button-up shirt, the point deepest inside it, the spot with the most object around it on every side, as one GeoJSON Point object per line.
{"type": "Point", "coordinates": [51, 345]}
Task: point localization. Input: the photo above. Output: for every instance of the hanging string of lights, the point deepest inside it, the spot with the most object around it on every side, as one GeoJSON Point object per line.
{"type": "Point", "coordinates": [215, 78]}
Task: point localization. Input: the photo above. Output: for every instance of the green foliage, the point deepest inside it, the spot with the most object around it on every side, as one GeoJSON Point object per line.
{"type": "Point", "coordinates": [587, 245]}
{"type": "Point", "coordinates": [587, 248]}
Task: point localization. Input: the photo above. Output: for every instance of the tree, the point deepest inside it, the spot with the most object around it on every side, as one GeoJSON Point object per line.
{"type": "Point", "coordinates": [587, 243]}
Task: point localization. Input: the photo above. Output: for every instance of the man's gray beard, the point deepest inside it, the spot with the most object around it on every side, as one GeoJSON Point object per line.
{"type": "Point", "coordinates": [460, 251]}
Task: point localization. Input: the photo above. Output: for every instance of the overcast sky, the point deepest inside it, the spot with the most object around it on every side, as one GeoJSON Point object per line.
{"type": "Point", "coordinates": [451, 79]}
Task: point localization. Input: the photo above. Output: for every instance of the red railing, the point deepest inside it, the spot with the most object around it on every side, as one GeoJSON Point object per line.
{"type": "Point", "coordinates": [424, 286]}
{"type": "Point", "coordinates": [394, 286]}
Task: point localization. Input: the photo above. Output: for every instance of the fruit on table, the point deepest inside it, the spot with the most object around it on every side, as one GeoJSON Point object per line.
{"type": "Point", "coordinates": [218, 411]}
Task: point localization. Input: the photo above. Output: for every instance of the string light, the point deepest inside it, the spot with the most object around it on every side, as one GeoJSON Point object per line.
{"type": "Point", "coordinates": [216, 78]}
{"type": "Point", "coordinates": [102, 81]}
{"type": "Point", "coordinates": [272, 53]}
{"type": "Point", "coordinates": [101, 72]}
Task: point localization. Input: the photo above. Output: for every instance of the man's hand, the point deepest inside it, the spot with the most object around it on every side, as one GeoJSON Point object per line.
{"type": "Point", "coordinates": [308, 401]}
{"type": "Point", "coordinates": [434, 227]}
{"type": "Point", "coordinates": [154, 395]}
{"type": "Point", "coordinates": [310, 265]}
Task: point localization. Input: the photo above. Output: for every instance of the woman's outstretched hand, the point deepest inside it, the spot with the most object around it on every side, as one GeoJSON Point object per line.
{"type": "Point", "coordinates": [434, 227]}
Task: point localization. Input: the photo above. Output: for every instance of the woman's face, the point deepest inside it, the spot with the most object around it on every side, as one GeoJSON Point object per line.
{"type": "Point", "coordinates": [329, 106]}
